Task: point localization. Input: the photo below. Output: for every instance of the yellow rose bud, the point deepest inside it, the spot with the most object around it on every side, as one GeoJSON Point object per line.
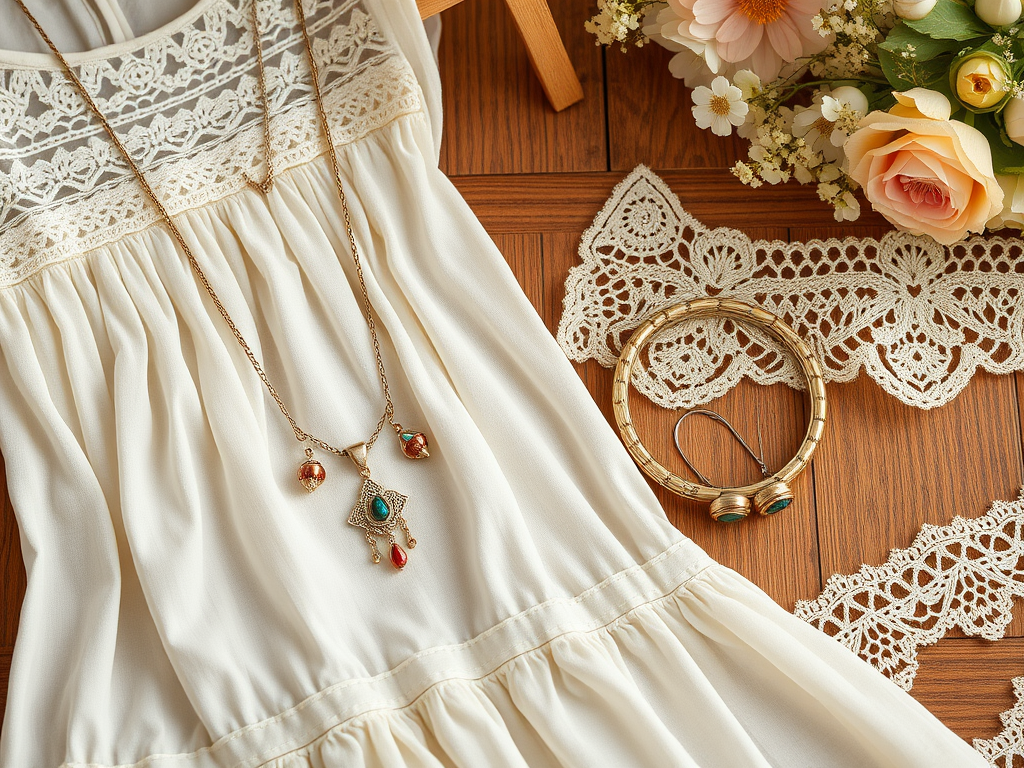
{"type": "Point", "coordinates": [980, 81]}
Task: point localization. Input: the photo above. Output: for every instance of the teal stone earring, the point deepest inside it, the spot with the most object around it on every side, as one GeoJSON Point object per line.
{"type": "Point", "coordinates": [775, 498]}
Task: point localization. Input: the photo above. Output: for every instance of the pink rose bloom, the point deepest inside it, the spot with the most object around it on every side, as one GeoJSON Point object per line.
{"type": "Point", "coordinates": [925, 173]}
{"type": "Point", "coordinates": [763, 34]}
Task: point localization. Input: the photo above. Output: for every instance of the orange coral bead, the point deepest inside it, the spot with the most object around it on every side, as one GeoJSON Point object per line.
{"type": "Point", "coordinates": [311, 474]}
{"type": "Point", "coordinates": [414, 445]}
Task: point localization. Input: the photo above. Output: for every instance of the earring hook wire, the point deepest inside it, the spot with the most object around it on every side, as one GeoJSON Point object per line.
{"type": "Point", "coordinates": [714, 416]}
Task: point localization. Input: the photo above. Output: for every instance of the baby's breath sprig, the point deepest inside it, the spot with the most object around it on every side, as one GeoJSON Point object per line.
{"type": "Point", "coordinates": [619, 21]}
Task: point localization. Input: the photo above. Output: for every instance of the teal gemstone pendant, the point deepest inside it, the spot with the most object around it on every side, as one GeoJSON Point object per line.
{"type": "Point", "coordinates": [379, 513]}
{"type": "Point", "coordinates": [379, 509]}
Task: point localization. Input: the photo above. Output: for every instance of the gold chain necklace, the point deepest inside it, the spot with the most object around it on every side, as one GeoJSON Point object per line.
{"type": "Point", "coordinates": [378, 511]}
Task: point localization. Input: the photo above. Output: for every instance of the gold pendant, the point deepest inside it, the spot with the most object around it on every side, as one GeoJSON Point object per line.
{"type": "Point", "coordinates": [378, 511]}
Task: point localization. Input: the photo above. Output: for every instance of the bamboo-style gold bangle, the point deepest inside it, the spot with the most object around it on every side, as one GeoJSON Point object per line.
{"type": "Point", "coordinates": [727, 504]}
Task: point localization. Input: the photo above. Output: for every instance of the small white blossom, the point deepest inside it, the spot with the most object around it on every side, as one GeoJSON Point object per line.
{"type": "Point", "coordinates": [847, 207]}
{"type": "Point", "coordinates": [816, 129]}
{"type": "Point", "coordinates": [719, 107]}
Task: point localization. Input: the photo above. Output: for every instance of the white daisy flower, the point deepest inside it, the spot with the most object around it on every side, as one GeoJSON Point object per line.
{"type": "Point", "coordinates": [719, 107]}
{"type": "Point", "coordinates": [844, 107]}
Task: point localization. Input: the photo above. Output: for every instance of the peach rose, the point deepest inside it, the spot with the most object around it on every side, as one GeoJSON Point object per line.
{"type": "Point", "coordinates": [925, 173]}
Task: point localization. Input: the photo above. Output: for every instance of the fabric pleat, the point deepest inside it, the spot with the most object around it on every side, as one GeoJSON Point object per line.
{"type": "Point", "coordinates": [712, 674]}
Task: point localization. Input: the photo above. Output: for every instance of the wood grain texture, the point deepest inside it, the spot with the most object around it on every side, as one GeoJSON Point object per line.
{"type": "Point", "coordinates": [12, 585]}
{"type": "Point", "coordinates": [966, 683]}
{"type": "Point", "coordinates": [568, 202]}
{"type": "Point", "coordinates": [497, 117]}
{"type": "Point", "coordinates": [536, 179]}
{"type": "Point", "coordinates": [649, 117]}
{"type": "Point", "coordinates": [430, 7]}
{"type": "Point", "coordinates": [12, 569]}
{"type": "Point", "coordinates": [543, 45]}
{"type": "Point", "coordinates": [5, 676]}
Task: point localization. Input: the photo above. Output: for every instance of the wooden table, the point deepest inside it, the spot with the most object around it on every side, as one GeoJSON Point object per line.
{"type": "Point", "coordinates": [536, 178]}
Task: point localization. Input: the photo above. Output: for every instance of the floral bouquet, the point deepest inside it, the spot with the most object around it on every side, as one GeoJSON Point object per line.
{"type": "Point", "coordinates": [917, 103]}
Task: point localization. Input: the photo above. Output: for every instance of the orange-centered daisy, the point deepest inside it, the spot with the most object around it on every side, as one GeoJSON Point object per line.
{"type": "Point", "coordinates": [763, 11]}
{"type": "Point", "coordinates": [760, 35]}
{"type": "Point", "coordinates": [720, 105]}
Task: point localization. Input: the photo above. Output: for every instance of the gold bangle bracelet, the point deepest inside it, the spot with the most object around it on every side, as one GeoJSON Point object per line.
{"type": "Point", "coordinates": [727, 504]}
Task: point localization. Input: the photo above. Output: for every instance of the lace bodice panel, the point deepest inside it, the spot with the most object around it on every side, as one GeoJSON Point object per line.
{"type": "Point", "coordinates": [187, 105]}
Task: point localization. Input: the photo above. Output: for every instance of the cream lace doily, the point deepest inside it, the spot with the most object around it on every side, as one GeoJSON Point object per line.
{"type": "Point", "coordinates": [964, 575]}
{"type": "Point", "coordinates": [920, 318]}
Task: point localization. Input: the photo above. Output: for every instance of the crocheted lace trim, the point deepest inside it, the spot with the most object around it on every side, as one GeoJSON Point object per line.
{"type": "Point", "coordinates": [964, 575]}
{"type": "Point", "coordinates": [187, 106]}
{"type": "Point", "coordinates": [1006, 748]}
{"type": "Point", "coordinates": [918, 317]}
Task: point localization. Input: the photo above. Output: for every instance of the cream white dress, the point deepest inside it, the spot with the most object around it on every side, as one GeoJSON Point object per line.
{"type": "Point", "coordinates": [188, 604]}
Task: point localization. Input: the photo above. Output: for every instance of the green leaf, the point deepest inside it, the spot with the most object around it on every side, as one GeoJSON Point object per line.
{"type": "Point", "coordinates": [925, 65]}
{"type": "Point", "coordinates": [1007, 157]}
{"type": "Point", "coordinates": [951, 20]}
{"type": "Point", "coordinates": [904, 74]}
{"type": "Point", "coordinates": [920, 47]}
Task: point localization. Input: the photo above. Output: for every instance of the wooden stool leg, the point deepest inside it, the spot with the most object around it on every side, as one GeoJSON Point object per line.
{"type": "Point", "coordinates": [547, 54]}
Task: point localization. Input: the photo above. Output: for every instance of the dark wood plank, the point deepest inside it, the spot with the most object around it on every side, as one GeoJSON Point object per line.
{"type": "Point", "coordinates": [523, 254]}
{"type": "Point", "coordinates": [497, 119]}
{"type": "Point", "coordinates": [568, 202]}
{"type": "Point", "coordinates": [649, 117]}
{"type": "Point", "coordinates": [966, 683]}
{"type": "Point", "coordinates": [5, 676]}
{"type": "Point", "coordinates": [559, 255]}
{"type": "Point", "coordinates": [12, 568]}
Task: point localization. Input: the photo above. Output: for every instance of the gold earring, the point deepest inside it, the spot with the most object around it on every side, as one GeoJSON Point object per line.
{"type": "Point", "coordinates": [775, 498]}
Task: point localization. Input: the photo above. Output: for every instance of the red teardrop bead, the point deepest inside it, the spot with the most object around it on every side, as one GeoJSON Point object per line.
{"type": "Point", "coordinates": [398, 557]}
